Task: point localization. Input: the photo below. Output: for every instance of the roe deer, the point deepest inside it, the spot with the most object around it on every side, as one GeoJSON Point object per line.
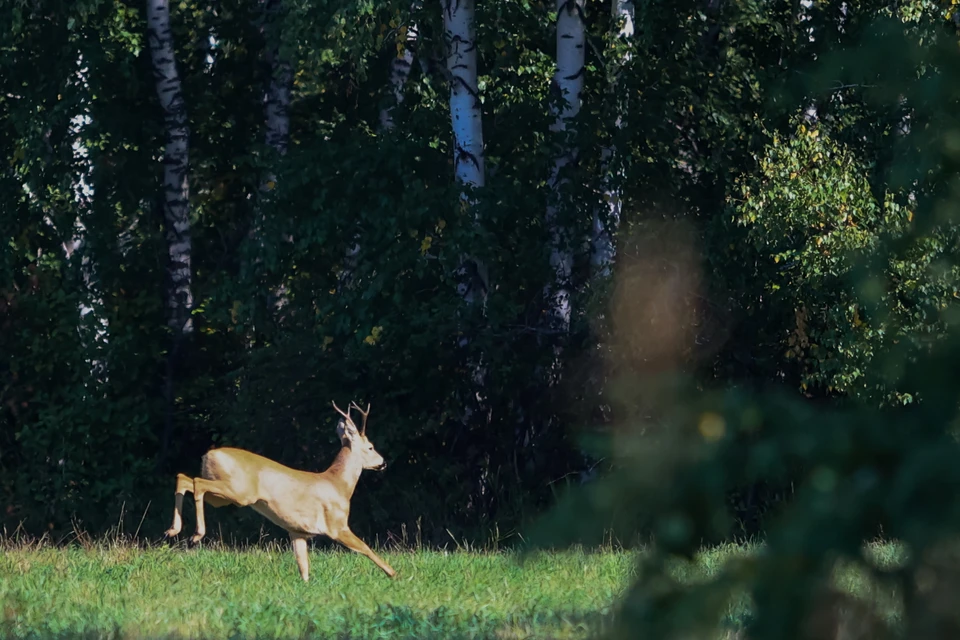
{"type": "Point", "coordinates": [304, 504]}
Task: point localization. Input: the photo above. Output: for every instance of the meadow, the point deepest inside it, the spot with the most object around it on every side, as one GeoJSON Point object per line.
{"type": "Point", "coordinates": [121, 590]}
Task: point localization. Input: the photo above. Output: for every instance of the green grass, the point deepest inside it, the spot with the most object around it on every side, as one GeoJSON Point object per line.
{"type": "Point", "coordinates": [125, 592]}
{"type": "Point", "coordinates": [121, 591]}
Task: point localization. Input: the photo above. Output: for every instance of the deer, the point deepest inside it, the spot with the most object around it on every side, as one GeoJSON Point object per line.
{"type": "Point", "coordinates": [304, 504]}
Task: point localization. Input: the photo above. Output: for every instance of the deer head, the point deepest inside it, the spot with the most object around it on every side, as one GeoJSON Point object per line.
{"type": "Point", "coordinates": [356, 440]}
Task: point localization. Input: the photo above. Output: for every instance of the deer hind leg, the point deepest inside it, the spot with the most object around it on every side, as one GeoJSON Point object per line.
{"type": "Point", "coordinates": [220, 494]}
{"type": "Point", "coordinates": [299, 542]}
{"type": "Point", "coordinates": [351, 541]}
{"type": "Point", "coordinates": [184, 484]}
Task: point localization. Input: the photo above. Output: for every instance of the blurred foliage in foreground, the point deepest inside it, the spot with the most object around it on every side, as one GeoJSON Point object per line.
{"type": "Point", "coordinates": [858, 470]}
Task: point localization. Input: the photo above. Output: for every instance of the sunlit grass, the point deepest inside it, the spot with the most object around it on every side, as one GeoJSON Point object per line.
{"type": "Point", "coordinates": [105, 590]}
{"type": "Point", "coordinates": [126, 592]}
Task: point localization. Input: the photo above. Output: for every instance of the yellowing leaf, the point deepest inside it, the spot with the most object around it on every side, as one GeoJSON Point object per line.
{"type": "Point", "coordinates": [441, 223]}
{"type": "Point", "coordinates": [374, 336]}
{"type": "Point", "coordinates": [425, 244]}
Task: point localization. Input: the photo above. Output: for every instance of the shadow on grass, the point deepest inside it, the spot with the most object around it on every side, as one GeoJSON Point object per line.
{"type": "Point", "coordinates": [387, 621]}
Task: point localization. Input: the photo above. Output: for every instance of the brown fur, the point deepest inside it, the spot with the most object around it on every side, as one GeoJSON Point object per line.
{"type": "Point", "coordinates": [304, 504]}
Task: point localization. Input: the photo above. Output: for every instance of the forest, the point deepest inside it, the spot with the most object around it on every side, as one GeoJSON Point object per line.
{"type": "Point", "coordinates": [673, 274]}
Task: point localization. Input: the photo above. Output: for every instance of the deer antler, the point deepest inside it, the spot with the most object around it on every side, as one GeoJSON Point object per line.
{"type": "Point", "coordinates": [354, 405]}
{"type": "Point", "coordinates": [345, 415]}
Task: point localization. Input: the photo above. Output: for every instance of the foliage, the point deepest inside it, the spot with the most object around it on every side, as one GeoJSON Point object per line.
{"type": "Point", "coordinates": [857, 470]}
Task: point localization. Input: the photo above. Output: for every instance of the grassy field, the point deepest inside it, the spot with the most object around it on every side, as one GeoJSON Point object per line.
{"type": "Point", "coordinates": [121, 591]}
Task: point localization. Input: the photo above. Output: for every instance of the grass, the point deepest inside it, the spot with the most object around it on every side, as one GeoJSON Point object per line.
{"type": "Point", "coordinates": [126, 592]}
{"type": "Point", "coordinates": [101, 590]}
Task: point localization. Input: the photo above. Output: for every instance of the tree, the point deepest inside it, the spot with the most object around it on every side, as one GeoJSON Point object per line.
{"type": "Point", "coordinates": [566, 88]}
{"type": "Point", "coordinates": [602, 247]}
{"type": "Point", "coordinates": [175, 196]}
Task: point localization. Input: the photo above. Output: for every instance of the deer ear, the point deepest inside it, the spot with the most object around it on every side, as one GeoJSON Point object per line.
{"type": "Point", "coordinates": [346, 429]}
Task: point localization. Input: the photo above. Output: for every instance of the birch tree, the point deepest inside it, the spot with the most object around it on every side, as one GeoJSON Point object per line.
{"type": "Point", "coordinates": [276, 102]}
{"type": "Point", "coordinates": [277, 97]}
{"type": "Point", "coordinates": [603, 249]}
{"type": "Point", "coordinates": [400, 66]}
{"type": "Point", "coordinates": [567, 86]}
{"type": "Point", "coordinates": [465, 118]}
{"type": "Point", "coordinates": [174, 200]}
{"type": "Point", "coordinates": [460, 36]}
{"type": "Point", "coordinates": [176, 188]}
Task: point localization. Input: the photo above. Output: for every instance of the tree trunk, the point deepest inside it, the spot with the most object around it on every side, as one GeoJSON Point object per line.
{"type": "Point", "coordinates": [465, 117]}
{"type": "Point", "coordinates": [603, 250]}
{"type": "Point", "coordinates": [276, 102]}
{"type": "Point", "coordinates": [400, 66]}
{"type": "Point", "coordinates": [277, 98]}
{"type": "Point", "coordinates": [176, 187]}
{"type": "Point", "coordinates": [473, 285]}
{"type": "Point", "coordinates": [566, 88]}
{"type": "Point", "coordinates": [174, 201]}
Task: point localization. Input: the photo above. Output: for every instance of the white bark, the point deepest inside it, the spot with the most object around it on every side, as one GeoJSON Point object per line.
{"type": "Point", "coordinates": [458, 23]}
{"type": "Point", "coordinates": [277, 98]}
{"type": "Point", "coordinates": [175, 165]}
{"type": "Point", "coordinates": [567, 85]}
{"type": "Point", "coordinates": [400, 67]}
{"type": "Point", "coordinates": [465, 118]}
{"type": "Point", "coordinates": [603, 250]}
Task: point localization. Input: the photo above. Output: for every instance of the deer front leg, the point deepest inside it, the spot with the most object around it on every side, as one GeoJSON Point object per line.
{"type": "Point", "coordinates": [351, 541]}
{"type": "Point", "coordinates": [299, 543]}
{"type": "Point", "coordinates": [184, 484]}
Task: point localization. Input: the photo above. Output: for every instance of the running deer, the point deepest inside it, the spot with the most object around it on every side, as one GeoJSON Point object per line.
{"type": "Point", "coordinates": [304, 504]}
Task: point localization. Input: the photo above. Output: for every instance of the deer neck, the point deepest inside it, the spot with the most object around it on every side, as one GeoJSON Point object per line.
{"type": "Point", "coordinates": [345, 471]}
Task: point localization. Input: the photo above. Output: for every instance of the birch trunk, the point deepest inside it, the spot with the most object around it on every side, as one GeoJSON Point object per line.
{"type": "Point", "coordinates": [276, 102]}
{"type": "Point", "coordinates": [567, 87]}
{"type": "Point", "coordinates": [465, 118]}
{"type": "Point", "coordinates": [277, 98]}
{"type": "Point", "coordinates": [176, 190]}
{"type": "Point", "coordinates": [603, 251]}
{"type": "Point", "coordinates": [468, 162]}
{"type": "Point", "coordinates": [400, 66]}
{"type": "Point", "coordinates": [174, 201]}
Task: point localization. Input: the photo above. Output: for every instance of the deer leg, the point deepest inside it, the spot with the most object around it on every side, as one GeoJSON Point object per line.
{"type": "Point", "coordinates": [299, 543]}
{"type": "Point", "coordinates": [351, 541]}
{"type": "Point", "coordinates": [220, 494]}
{"type": "Point", "coordinates": [184, 484]}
